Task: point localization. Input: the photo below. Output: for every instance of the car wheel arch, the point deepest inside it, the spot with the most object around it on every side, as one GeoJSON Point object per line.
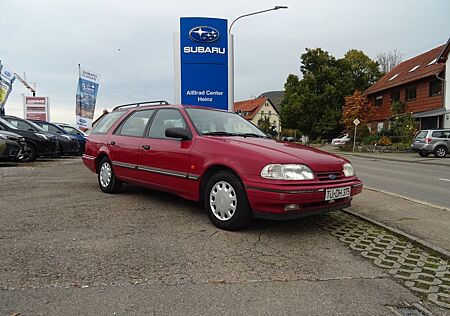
{"type": "Point", "coordinates": [211, 170]}
{"type": "Point", "coordinates": [99, 159]}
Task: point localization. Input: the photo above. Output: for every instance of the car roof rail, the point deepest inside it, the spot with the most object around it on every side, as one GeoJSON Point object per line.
{"type": "Point", "coordinates": [159, 102]}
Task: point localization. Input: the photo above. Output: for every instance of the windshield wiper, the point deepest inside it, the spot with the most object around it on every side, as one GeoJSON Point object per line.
{"type": "Point", "coordinates": [251, 135]}
{"type": "Point", "coordinates": [220, 134]}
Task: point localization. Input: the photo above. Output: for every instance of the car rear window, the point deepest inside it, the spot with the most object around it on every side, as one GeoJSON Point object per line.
{"type": "Point", "coordinates": [422, 134]}
{"type": "Point", "coordinates": [106, 122]}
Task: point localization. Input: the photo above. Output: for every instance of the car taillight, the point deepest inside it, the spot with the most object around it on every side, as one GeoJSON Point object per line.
{"type": "Point", "coordinates": [428, 140]}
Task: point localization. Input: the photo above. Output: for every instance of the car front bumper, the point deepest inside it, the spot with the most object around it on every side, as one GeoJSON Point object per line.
{"type": "Point", "coordinates": [269, 201]}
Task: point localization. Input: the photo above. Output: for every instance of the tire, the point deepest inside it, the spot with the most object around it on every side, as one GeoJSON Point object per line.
{"type": "Point", "coordinates": [423, 154]}
{"type": "Point", "coordinates": [60, 152]}
{"type": "Point", "coordinates": [32, 153]}
{"type": "Point", "coordinates": [440, 151]}
{"type": "Point", "coordinates": [226, 201]}
{"type": "Point", "coordinates": [106, 177]}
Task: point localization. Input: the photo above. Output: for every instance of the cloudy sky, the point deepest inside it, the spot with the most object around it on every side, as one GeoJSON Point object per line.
{"type": "Point", "coordinates": [130, 43]}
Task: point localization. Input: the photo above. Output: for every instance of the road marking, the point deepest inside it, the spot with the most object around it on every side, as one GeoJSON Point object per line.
{"type": "Point", "coordinates": [444, 179]}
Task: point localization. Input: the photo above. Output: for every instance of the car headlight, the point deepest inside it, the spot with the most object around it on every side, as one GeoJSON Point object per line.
{"type": "Point", "coordinates": [348, 170]}
{"type": "Point", "coordinates": [287, 172]}
{"type": "Point", "coordinates": [41, 135]}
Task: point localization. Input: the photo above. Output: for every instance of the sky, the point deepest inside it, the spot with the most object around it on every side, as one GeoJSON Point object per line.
{"type": "Point", "coordinates": [130, 43]}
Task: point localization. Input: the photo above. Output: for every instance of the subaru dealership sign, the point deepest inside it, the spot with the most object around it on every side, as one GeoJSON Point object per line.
{"type": "Point", "coordinates": [201, 63]}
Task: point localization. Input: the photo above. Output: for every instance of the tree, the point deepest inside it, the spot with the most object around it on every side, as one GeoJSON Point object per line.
{"type": "Point", "coordinates": [361, 71]}
{"type": "Point", "coordinates": [265, 125]}
{"type": "Point", "coordinates": [403, 125]}
{"type": "Point", "coordinates": [356, 106]}
{"type": "Point", "coordinates": [389, 60]}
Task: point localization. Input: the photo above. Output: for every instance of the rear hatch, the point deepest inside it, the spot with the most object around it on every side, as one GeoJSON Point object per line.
{"type": "Point", "coordinates": [420, 138]}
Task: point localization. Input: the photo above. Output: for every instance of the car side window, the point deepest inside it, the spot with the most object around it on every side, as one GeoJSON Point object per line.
{"type": "Point", "coordinates": [106, 122]}
{"type": "Point", "coordinates": [24, 126]}
{"type": "Point", "coordinates": [438, 134]}
{"type": "Point", "coordinates": [135, 124]}
{"type": "Point", "coordinates": [50, 128]}
{"type": "Point", "coordinates": [166, 118]}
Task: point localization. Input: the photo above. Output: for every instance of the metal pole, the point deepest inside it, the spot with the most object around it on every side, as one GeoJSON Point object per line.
{"type": "Point", "coordinates": [354, 138]}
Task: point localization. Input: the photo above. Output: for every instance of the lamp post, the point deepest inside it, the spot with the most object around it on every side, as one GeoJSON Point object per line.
{"type": "Point", "coordinates": [231, 54]}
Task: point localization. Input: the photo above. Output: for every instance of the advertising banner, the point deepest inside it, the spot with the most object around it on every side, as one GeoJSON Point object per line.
{"type": "Point", "coordinates": [36, 108]}
{"type": "Point", "coordinates": [204, 62]}
{"type": "Point", "coordinates": [86, 97]}
{"type": "Point", "coordinates": [7, 78]}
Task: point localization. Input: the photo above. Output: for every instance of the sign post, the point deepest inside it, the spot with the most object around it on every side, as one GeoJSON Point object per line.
{"type": "Point", "coordinates": [356, 122]}
{"type": "Point", "coordinates": [36, 108]}
{"type": "Point", "coordinates": [201, 63]}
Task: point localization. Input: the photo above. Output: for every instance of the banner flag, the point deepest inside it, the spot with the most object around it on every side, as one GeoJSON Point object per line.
{"type": "Point", "coordinates": [7, 78]}
{"type": "Point", "coordinates": [86, 97]}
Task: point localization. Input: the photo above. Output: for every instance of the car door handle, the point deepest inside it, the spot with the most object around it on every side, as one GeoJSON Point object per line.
{"type": "Point", "coordinates": [112, 142]}
{"type": "Point", "coordinates": [146, 147]}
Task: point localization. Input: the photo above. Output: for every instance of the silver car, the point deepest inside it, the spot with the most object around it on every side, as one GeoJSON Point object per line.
{"type": "Point", "coordinates": [435, 141]}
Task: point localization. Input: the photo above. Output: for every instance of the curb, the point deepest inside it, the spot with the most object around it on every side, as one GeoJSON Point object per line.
{"type": "Point", "coordinates": [394, 159]}
{"type": "Point", "coordinates": [442, 252]}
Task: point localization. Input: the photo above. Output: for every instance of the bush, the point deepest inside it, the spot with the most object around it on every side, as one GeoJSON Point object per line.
{"type": "Point", "coordinates": [385, 141]}
{"type": "Point", "coordinates": [372, 139]}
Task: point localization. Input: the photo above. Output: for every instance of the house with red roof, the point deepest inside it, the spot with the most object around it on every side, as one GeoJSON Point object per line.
{"type": "Point", "coordinates": [255, 109]}
{"type": "Point", "coordinates": [419, 82]}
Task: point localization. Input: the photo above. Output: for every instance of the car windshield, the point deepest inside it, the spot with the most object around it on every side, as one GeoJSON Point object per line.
{"type": "Point", "coordinates": [220, 123]}
{"type": "Point", "coordinates": [342, 136]}
{"type": "Point", "coordinates": [5, 122]}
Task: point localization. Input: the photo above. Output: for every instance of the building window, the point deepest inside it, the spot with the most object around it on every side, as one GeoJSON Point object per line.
{"type": "Point", "coordinates": [393, 77]}
{"type": "Point", "coordinates": [262, 112]}
{"type": "Point", "coordinates": [380, 126]}
{"type": "Point", "coordinates": [270, 113]}
{"type": "Point", "coordinates": [410, 94]}
{"type": "Point", "coordinates": [395, 96]}
{"type": "Point", "coordinates": [435, 88]}
{"type": "Point", "coordinates": [414, 68]}
{"type": "Point", "coordinates": [379, 101]}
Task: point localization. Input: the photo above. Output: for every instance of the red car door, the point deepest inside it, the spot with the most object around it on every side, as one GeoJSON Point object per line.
{"type": "Point", "coordinates": [165, 161]}
{"type": "Point", "coordinates": [125, 143]}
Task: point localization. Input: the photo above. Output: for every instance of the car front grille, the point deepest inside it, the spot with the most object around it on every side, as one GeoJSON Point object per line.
{"type": "Point", "coordinates": [330, 176]}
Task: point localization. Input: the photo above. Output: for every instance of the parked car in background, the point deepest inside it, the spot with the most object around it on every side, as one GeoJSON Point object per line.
{"type": "Point", "coordinates": [432, 141]}
{"type": "Point", "coordinates": [68, 144]}
{"type": "Point", "coordinates": [287, 138]}
{"type": "Point", "coordinates": [75, 132]}
{"type": "Point", "coordinates": [220, 158]}
{"type": "Point", "coordinates": [39, 142]}
{"type": "Point", "coordinates": [340, 140]}
{"type": "Point", "coordinates": [12, 146]}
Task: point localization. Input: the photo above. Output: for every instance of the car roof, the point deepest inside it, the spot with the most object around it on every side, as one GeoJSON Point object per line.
{"type": "Point", "coordinates": [163, 106]}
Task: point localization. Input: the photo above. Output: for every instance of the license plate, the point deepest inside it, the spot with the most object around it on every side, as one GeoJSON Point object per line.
{"type": "Point", "coordinates": [337, 193]}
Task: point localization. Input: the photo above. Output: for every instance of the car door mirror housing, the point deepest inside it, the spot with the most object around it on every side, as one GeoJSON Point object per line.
{"type": "Point", "coordinates": [178, 132]}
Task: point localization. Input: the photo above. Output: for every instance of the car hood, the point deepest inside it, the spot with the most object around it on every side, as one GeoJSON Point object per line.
{"type": "Point", "coordinates": [272, 151]}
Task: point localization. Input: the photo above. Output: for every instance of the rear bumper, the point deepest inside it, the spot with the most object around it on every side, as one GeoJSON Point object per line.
{"type": "Point", "coordinates": [270, 201]}
{"type": "Point", "coordinates": [422, 147]}
{"type": "Point", "coordinates": [89, 162]}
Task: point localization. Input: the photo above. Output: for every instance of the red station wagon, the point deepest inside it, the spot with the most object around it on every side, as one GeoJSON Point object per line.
{"type": "Point", "coordinates": [217, 157]}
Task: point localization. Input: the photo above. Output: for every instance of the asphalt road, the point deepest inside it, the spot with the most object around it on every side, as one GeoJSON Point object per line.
{"type": "Point", "coordinates": [67, 248]}
{"type": "Point", "coordinates": [427, 183]}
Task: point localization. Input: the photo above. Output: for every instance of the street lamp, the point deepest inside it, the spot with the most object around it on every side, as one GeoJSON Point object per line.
{"type": "Point", "coordinates": [231, 55]}
{"type": "Point", "coordinates": [257, 12]}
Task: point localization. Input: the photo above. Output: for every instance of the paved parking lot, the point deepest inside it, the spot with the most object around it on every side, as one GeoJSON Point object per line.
{"type": "Point", "coordinates": [68, 248]}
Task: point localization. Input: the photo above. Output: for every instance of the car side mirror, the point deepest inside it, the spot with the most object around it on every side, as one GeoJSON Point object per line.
{"type": "Point", "coordinates": [59, 132]}
{"type": "Point", "coordinates": [31, 130]}
{"type": "Point", "coordinates": [177, 132]}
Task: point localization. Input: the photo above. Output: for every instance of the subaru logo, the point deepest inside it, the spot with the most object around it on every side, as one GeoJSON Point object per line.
{"type": "Point", "coordinates": [332, 176]}
{"type": "Point", "coordinates": [204, 34]}
{"type": "Point", "coordinates": [7, 73]}
{"type": "Point", "coordinates": [82, 121]}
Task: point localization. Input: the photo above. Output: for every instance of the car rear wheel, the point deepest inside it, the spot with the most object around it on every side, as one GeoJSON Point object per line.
{"type": "Point", "coordinates": [106, 178]}
{"type": "Point", "coordinates": [226, 201]}
{"type": "Point", "coordinates": [423, 154]}
{"type": "Point", "coordinates": [440, 152]}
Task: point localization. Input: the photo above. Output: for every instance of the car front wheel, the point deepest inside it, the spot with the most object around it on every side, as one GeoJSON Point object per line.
{"type": "Point", "coordinates": [226, 201]}
{"type": "Point", "coordinates": [440, 152]}
{"type": "Point", "coordinates": [106, 178]}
